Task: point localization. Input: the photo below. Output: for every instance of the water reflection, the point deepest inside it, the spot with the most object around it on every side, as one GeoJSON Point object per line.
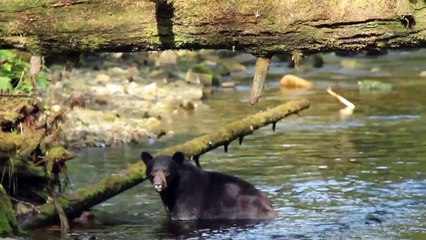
{"type": "Point", "coordinates": [363, 177]}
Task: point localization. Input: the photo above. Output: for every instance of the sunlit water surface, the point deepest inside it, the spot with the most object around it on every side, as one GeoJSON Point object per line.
{"type": "Point", "coordinates": [330, 176]}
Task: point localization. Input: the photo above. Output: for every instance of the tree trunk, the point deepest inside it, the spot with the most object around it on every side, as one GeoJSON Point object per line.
{"type": "Point", "coordinates": [260, 27]}
{"type": "Point", "coordinates": [87, 197]}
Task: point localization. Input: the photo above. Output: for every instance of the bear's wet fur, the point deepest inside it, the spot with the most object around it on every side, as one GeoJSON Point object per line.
{"type": "Point", "coordinates": [190, 193]}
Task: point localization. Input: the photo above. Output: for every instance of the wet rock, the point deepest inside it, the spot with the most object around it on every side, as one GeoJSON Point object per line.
{"type": "Point", "coordinates": [317, 61]}
{"type": "Point", "coordinates": [229, 84]}
{"type": "Point", "coordinates": [56, 108]}
{"type": "Point", "coordinates": [203, 69]}
{"type": "Point", "coordinates": [117, 71]}
{"type": "Point", "coordinates": [149, 92]}
{"type": "Point", "coordinates": [77, 101]}
{"type": "Point", "coordinates": [351, 63]}
{"type": "Point", "coordinates": [199, 78]}
{"type": "Point", "coordinates": [132, 73]}
{"type": "Point", "coordinates": [231, 66]}
{"type": "Point", "coordinates": [86, 219]}
{"type": "Point", "coordinates": [102, 99]}
{"type": "Point", "coordinates": [102, 78]}
{"type": "Point", "coordinates": [374, 86]}
{"type": "Point", "coordinates": [292, 81]}
{"type": "Point", "coordinates": [167, 58]}
{"type": "Point", "coordinates": [114, 88]}
{"type": "Point", "coordinates": [376, 217]}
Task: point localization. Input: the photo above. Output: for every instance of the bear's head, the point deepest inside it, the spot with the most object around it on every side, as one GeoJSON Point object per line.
{"type": "Point", "coordinates": [162, 170]}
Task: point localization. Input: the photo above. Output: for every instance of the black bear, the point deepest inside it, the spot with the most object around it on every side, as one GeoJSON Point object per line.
{"type": "Point", "coordinates": [190, 193]}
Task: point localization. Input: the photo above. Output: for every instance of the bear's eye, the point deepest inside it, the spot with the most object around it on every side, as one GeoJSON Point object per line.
{"type": "Point", "coordinates": [153, 172]}
{"type": "Point", "coordinates": [166, 173]}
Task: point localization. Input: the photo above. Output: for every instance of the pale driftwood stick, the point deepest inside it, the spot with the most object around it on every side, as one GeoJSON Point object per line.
{"type": "Point", "coordinates": [109, 187]}
{"type": "Point", "coordinates": [262, 67]}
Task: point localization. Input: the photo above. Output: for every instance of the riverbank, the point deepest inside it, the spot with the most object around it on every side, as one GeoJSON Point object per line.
{"type": "Point", "coordinates": [114, 99]}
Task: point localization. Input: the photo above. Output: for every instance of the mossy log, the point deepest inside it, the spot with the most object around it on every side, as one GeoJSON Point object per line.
{"type": "Point", "coordinates": [259, 27]}
{"type": "Point", "coordinates": [8, 223]}
{"type": "Point", "coordinates": [29, 161]}
{"type": "Point", "coordinates": [85, 198]}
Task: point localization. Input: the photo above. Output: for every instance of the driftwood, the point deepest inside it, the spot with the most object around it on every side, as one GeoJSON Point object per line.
{"type": "Point", "coordinates": [85, 198]}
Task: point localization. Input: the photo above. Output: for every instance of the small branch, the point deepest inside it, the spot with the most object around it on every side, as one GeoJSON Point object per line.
{"type": "Point", "coordinates": [65, 226]}
{"type": "Point", "coordinates": [32, 206]}
{"type": "Point", "coordinates": [18, 95]}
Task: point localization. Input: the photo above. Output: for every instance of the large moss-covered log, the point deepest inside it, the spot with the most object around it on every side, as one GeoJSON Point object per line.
{"type": "Point", "coordinates": [260, 27]}
{"type": "Point", "coordinates": [110, 186]}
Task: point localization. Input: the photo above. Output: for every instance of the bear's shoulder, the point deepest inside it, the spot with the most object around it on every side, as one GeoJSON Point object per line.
{"type": "Point", "coordinates": [231, 183]}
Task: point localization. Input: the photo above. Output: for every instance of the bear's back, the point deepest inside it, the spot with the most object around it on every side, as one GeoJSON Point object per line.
{"type": "Point", "coordinates": [229, 197]}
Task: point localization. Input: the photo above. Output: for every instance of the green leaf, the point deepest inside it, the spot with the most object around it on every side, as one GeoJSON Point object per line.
{"type": "Point", "coordinates": [7, 54]}
{"type": "Point", "coordinates": [42, 81]}
{"type": "Point", "coordinates": [7, 66]}
{"type": "Point", "coordinates": [5, 84]}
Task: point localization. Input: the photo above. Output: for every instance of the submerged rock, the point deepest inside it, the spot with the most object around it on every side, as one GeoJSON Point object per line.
{"type": "Point", "coordinates": [351, 63]}
{"type": "Point", "coordinates": [292, 81]}
{"type": "Point", "coordinates": [374, 86]}
{"type": "Point", "coordinates": [103, 78]}
{"type": "Point", "coordinates": [204, 69]}
{"type": "Point", "coordinates": [228, 65]}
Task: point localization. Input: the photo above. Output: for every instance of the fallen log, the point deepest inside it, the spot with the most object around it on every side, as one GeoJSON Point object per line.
{"type": "Point", "coordinates": [83, 199]}
{"type": "Point", "coordinates": [258, 27]}
{"type": "Point", "coordinates": [29, 159]}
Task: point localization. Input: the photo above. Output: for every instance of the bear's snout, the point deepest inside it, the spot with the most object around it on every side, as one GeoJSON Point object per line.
{"type": "Point", "coordinates": [158, 187]}
{"type": "Point", "coordinates": [159, 181]}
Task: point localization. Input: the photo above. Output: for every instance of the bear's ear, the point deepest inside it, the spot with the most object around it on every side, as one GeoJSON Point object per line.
{"type": "Point", "coordinates": [146, 157]}
{"type": "Point", "coordinates": [178, 157]}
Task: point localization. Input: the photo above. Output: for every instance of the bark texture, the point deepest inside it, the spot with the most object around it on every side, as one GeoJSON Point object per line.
{"type": "Point", "coordinates": [259, 27]}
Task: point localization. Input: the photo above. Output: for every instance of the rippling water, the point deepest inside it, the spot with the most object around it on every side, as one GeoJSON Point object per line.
{"type": "Point", "coordinates": [329, 176]}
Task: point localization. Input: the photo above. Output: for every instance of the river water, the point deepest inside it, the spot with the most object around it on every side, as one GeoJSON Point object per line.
{"type": "Point", "coordinates": [329, 175]}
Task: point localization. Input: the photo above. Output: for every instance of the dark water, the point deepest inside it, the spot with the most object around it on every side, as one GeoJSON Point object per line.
{"type": "Point", "coordinates": [329, 176]}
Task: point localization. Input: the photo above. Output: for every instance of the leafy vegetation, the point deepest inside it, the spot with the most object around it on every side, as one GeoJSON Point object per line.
{"type": "Point", "coordinates": [14, 74]}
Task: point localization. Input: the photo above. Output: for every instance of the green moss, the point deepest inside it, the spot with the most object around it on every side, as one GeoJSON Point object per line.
{"type": "Point", "coordinates": [272, 49]}
{"type": "Point", "coordinates": [8, 223]}
{"type": "Point", "coordinates": [381, 44]}
{"type": "Point", "coordinates": [49, 208]}
{"type": "Point", "coordinates": [112, 183]}
{"type": "Point", "coordinates": [200, 68]}
{"type": "Point", "coordinates": [58, 153]}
